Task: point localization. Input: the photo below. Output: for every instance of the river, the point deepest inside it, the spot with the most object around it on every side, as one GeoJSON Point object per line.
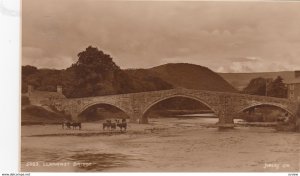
{"type": "Point", "coordinates": [165, 144]}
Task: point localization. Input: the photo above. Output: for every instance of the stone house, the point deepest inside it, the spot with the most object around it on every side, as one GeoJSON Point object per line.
{"type": "Point", "coordinates": [293, 87]}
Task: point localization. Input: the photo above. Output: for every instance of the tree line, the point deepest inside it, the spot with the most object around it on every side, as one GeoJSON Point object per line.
{"type": "Point", "coordinates": [93, 74]}
{"type": "Point", "coordinates": [266, 87]}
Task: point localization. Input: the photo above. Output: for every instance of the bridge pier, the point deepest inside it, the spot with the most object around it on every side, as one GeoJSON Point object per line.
{"type": "Point", "coordinates": [226, 113]}
{"type": "Point", "coordinates": [225, 121]}
{"type": "Point", "coordinates": [226, 118]}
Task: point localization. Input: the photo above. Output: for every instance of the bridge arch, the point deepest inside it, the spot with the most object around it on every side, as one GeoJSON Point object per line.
{"type": "Point", "coordinates": [150, 105]}
{"type": "Point", "coordinates": [267, 104]}
{"type": "Point", "coordinates": [84, 108]}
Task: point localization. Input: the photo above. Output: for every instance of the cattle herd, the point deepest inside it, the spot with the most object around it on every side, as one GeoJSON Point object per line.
{"type": "Point", "coordinates": [107, 125]}
{"type": "Point", "coordinates": [68, 125]}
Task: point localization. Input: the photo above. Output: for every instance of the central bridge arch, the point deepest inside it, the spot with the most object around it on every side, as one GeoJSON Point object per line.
{"type": "Point", "coordinates": [153, 103]}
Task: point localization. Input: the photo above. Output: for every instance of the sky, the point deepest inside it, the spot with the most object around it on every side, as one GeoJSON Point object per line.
{"type": "Point", "coordinates": [223, 36]}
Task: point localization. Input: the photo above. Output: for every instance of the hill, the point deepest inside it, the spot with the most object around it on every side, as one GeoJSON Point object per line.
{"type": "Point", "coordinates": [147, 80]}
{"type": "Point", "coordinates": [241, 80]}
{"type": "Point", "coordinates": [192, 77]}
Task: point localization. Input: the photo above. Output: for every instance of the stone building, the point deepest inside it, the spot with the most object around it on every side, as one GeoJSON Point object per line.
{"type": "Point", "coordinates": [294, 87]}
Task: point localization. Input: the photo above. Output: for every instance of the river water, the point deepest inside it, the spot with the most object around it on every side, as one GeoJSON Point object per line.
{"type": "Point", "coordinates": [165, 144]}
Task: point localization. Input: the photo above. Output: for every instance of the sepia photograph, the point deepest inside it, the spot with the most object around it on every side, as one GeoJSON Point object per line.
{"type": "Point", "coordinates": [159, 86]}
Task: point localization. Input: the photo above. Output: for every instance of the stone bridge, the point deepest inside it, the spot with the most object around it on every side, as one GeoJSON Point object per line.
{"type": "Point", "coordinates": [136, 105]}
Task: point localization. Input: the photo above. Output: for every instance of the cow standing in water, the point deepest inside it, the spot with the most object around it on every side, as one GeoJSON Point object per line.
{"type": "Point", "coordinates": [106, 125]}
{"type": "Point", "coordinates": [66, 124]}
{"type": "Point", "coordinates": [122, 125]}
{"type": "Point", "coordinates": [113, 126]}
{"type": "Point", "coordinates": [110, 125]}
{"type": "Point", "coordinates": [69, 125]}
{"type": "Point", "coordinates": [75, 125]}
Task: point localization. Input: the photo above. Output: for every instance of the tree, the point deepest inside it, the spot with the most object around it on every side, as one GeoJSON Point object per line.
{"type": "Point", "coordinates": [97, 58]}
{"type": "Point", "coordinates": [26, 72]}
{"type": "Point", "coordinates": [95, 74]}
{"type": "Point", "coordinates": [256, 86]}
{"type": "Point", "coordinates": [277, 88]}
